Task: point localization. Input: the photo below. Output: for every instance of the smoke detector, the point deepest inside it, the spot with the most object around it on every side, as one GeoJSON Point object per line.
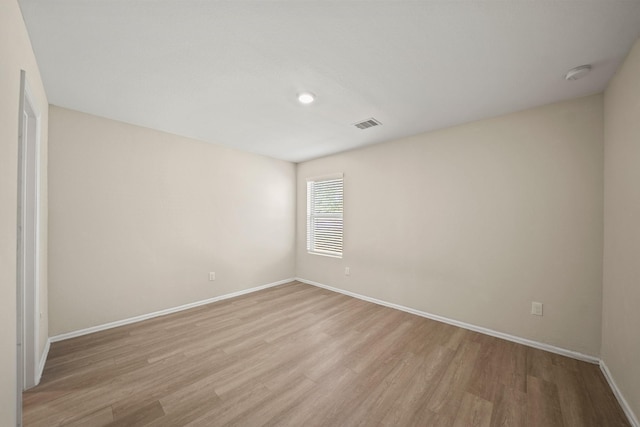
{"type": "Point", "coordinates": [578, 72]}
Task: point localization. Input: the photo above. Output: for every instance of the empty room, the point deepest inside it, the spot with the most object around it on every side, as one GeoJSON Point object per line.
{"type": "Point", "coordinates": [319, 213]}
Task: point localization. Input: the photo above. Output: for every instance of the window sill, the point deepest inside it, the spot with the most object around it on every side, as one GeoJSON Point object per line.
{"type": "Point", "coordinates": [324, 254]}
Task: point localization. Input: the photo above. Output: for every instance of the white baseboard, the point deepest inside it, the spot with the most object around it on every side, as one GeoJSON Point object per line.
{"type": "Point", "coordinates": [142, 317]}
{"type": "Point", "coordinates": [616, 391]}
{"type": "Point", "coordinates": [482, 330]}
{"type": "Point", "coordinates": [43, 360]}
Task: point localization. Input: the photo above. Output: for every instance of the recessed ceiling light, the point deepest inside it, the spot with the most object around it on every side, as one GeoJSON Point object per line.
{"type": "Point", "coordinates": [578, 72]}
{"type": "Point", "coordinates": [306, 98]}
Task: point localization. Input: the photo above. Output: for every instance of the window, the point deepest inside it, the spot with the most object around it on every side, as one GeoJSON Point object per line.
{"type": "Point", "coordinates": [324, 215]}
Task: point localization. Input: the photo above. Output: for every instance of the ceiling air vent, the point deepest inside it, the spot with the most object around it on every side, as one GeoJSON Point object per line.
{"type": "Point", "coordinates": [367, 124]}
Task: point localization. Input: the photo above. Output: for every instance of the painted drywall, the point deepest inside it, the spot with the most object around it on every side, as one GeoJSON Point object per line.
{"type": "Point", "coordinates": [621, 278]}
{"type": "Point", "coordinates": [477, 221]}
{"type": "Point", "coordinates": [15, 55]}
{"type": "Point", "coordinates": [138, 218]}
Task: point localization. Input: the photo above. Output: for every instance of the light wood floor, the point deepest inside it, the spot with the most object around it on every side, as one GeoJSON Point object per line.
{"type": "Point", "coordinates": [297, 355]}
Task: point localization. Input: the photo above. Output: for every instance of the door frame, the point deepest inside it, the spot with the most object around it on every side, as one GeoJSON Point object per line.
{"type": "Point", "coordinates": [28, 242]}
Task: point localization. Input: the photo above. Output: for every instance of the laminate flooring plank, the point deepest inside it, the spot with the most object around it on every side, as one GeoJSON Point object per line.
{"type": "Point", "coordinates": [484, 381]}
{"type": "Point", "coordinates": [100, 418]}
{"type": "Point", "coordinates": [187, 411]}
{"type": "Point", "coordinates": [455, 336]}
{"type": "Point", "coordinates": [334, 355]}
{"type": "Point", "coordinates": [374, 375]}
{"type": "Point", "coordinates": [453, 384]}
{"type": "Point", "coordinates": [540, 364]}
{"type": "Point", "coordinates": [141, 416]}
{"type": "Point", "coordinates": [390, 340]}
{"type": "Point", "coordinates": [382, 397]}
{"type": "Point", "coordinates": [315, 408]}
{"type": "Point", "coordinates": [48, 415]}
{"type": "Point", "coordinates": [543, 404]}
{"type": "Point", "coordinates": [424, 338]}
{"type": "Point", "coordinates": [362, 341]}
{"type": "Point", "coordinates": [234, 408]}
{"type": "Point", "coordinates": [474, 412]}
{"type": "Point", "coordinates": [346, 315]}
{"type": "Point", "coordinates": [514, 366]}
{"type": "Point", "coordinates": [509, 408]}
{"type": "Point", "coordinates": [378, 328]}
{"type": "Point", "coordinates": [268, 412]}
{"type": "Point", "coordinates": [86, 342]}
{"type": "Point", "coordinates": [76, 375]}
{"type": "Point", "coordinates": [200, 393]}
{"type": "Point", "coordinates": [419, 388]}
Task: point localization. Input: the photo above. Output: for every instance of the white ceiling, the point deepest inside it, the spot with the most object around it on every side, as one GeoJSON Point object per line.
{"type": "Point", "coordinates": [228, 72]}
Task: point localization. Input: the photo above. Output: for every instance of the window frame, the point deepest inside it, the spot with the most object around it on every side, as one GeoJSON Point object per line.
{"type": "Point", "coordinates": [312, 215]}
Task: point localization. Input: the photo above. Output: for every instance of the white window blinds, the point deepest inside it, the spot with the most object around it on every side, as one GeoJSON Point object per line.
{"type": "Point", "coordinates": [324, 215]}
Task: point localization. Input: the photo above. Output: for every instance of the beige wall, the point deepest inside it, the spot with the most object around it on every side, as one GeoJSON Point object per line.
{"type": "Point", "coordinates": [476, 221]}
{"type": "Point", "coordinates": [621, 288]}
{"type": "Point", "coordinates": [16, 54]}
{"type": "Point", "coordinates": [138, 218]}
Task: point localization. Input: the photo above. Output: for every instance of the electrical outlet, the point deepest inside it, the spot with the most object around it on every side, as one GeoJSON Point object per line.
{"type": "Point", "coordinates": [347, 271]}
{"type": "Point", "coordinates": [212, 276]}
{"type": "Point", "coordinates": [536, 308]}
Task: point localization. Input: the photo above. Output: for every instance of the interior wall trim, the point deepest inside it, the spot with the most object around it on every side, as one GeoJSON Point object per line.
{"type": "Point", "coordinates": [166, 311]}
{"type": "Point", "coordinates": [43, 360]}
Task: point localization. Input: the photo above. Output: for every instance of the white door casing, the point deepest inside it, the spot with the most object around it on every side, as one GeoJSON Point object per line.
{"type": "Point", "coordinates": [28, 230]}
